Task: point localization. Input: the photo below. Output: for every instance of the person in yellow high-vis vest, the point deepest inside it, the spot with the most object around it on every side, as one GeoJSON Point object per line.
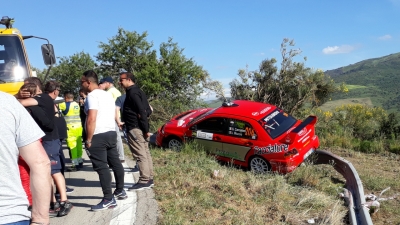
{"type": "Point", "coordinates": [71, 112]}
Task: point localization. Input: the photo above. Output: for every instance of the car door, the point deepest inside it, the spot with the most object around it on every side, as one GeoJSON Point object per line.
{"type": "Point", "coordinates": [208, 133]}
{"type": "Point", "coordinates": [239, 138]}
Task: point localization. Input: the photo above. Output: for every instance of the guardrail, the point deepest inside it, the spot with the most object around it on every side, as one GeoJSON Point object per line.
{"type": "Point", "coordinates": [354, 192]}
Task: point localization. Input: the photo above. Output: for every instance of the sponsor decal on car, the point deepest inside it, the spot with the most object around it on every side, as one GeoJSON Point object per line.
{"type": "Point", "coordinates": [271, 116]}
{"type": "Point", "coordinates": [305, 136]}
{"type": "Point", "coordinates": [204, 135]}
{"type": "Point", "coordinates": [302, 132]}
{"type": "Point", "coordinates": [265, 110]}
{"type": "Point", "coordinates": [261, 112]}
{"type": "Point", "coordinates": [221, 152]}
{"type": "Point", "coordinates": [270, 149]}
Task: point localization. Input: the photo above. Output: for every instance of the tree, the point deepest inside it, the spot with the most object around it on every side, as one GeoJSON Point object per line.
{"type": "Point", "coordinates": [130, 51]}
{"type": "Point", "coordinates": [70, 69]}
{"type": "Point", "coordinates": [172, 82]}
{"type": "Point", "coordinates": [289, 87]}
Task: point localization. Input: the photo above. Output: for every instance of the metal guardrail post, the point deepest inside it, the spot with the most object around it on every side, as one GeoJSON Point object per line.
{"type": "Point", "coordinates": [358, 214]}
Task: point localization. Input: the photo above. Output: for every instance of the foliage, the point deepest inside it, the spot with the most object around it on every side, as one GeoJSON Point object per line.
{"type": "Point", "coordinates": [290, 87]}
{"type": "Point", "coordinates": [70, 69]}
{"type": "Point", "coordinates": [377, 76]}
{"type": "Point", "coordinates": [172, 82]}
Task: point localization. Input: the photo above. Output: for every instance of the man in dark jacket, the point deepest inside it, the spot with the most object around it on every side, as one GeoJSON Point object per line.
{"type": "Point", "coordinates": [136, 109]}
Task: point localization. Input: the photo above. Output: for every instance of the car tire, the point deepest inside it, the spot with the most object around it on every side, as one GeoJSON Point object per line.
{"type": "Point", "coordinates": [259, 165]}
{"type": "Point", "coordinates": [174, 144]}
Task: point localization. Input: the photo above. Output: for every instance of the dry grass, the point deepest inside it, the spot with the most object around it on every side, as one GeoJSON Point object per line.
{"type": "Point", "coordinates": [188, 192]}
{"type": "Point", "coordinates": [377, 172]}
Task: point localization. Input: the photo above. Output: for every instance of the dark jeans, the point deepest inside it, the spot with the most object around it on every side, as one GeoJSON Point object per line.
{"type": "Point", "coordinates": [104, 151]}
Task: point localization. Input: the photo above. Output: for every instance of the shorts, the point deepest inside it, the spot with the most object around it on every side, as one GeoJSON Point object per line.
{"type": "Point", "coordinates": [52, 149]}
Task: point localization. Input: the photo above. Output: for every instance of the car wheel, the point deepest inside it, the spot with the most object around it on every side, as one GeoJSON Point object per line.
{"type": "Point", "coordinates": [174, 144]}
{"type": "Point", "coordinates": [259, 165]}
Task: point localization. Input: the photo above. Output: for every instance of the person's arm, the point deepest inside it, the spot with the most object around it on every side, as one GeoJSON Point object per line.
{"type": "Point", "coordinates": [39, 165]}
{"type": "Point", "coordinates": [142, 114]}
{"type": "Point", "coordinates": [90, 126]}
{"type": "Point", "coordinates": [117, 119]}
{"type": "Point", "coordinates": [28, 102]}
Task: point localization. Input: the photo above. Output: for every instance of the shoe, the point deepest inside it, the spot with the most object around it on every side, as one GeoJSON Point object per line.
{"type": "Point", "coordinates": [105, 204]}
{"type": "Point", "coordinates": [65, 208]}
{"type": "Point", "coordinates": [151, 182]}
{"type": "Point", "coordinates": [140, 186]}
{"type": "Point", "coordinates": [80, 165]}
{"type": "Point", "coordinates": [54, 208]}
{"type": "Point", "coordinates": [72, 169]}
{"type": "Point", "coordinates": [69, 190]}
{"type": "Point", "coordinates": [120, 195]}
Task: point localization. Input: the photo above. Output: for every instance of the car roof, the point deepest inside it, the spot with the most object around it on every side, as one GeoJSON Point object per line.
{"type": "Point", "coordinates": [250, 109]}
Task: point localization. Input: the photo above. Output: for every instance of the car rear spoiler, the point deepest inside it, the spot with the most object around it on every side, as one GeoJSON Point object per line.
{"type": "Point", "coordinates": [311, 120]}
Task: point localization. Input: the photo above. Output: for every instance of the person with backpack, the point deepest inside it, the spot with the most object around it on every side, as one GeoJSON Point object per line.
{"type": "Point", "coordinates": [136, 110]}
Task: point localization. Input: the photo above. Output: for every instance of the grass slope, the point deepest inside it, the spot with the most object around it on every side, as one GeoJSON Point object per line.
{"type": "Point", "coordinates": [377, 79]}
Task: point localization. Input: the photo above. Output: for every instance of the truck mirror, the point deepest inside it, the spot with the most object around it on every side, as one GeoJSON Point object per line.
{"type": "Point", "coordinates": [49, 57]}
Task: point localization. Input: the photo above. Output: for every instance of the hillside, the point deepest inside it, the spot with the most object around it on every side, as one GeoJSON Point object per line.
{"type": "Point", "coordinates": [377, 79]}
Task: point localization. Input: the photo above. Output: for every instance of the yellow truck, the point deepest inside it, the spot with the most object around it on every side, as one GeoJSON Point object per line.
{"type": "Point", "coordinates": [14, 63]}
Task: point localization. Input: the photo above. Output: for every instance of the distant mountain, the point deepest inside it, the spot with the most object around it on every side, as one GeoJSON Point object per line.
{"type": "Point", "coordinates": [377, 79]}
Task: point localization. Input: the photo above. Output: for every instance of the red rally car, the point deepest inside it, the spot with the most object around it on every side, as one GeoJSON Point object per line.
{"type": "Point", "coordinates": [255, 135]}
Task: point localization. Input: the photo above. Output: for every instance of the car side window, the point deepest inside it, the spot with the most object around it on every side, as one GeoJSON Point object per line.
{"type": "Point", "coordinates": [242, 129]}
{"type": "Point", "coordinates": [212, 125]}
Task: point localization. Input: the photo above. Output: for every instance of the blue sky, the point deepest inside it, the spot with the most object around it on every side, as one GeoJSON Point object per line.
{"type": "Point", "coordinates": [222, 36]}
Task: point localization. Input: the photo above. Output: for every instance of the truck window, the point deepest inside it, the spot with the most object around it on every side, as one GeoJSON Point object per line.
{"type": "Point", "coordinates": [13, 66]}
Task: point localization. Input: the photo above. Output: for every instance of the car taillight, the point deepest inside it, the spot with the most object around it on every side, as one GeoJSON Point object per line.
{"type": "Point", "coordinates": [291, 153]}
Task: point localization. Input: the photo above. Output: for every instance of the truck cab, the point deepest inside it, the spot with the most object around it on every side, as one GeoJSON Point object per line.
{"type": "Point", "coordinates": [14, 63]}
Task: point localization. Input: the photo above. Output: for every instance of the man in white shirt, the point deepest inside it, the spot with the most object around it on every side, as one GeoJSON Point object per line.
{"type": "Point", "coordinates": [101, 140]}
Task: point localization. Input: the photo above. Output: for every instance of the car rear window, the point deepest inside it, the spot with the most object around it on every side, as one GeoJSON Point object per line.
{"type": "Point", "coordinates": [277, 122]}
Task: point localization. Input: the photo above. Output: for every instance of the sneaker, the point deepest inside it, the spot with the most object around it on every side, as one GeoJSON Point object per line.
{"type": "Point", "coordinates": [72, 169]}
{"type": "Point", "coordinates": [54, 208]}
{"type": "Point", "coordinates": [69, 190]}
{"type": "Point", "coordinates": [80, 165]}
{"type": "Point", "coordinates": [151, 182]}
{"type": "Point", "coordinates": [65, 208]}
{"type": "Point", "coordinates": [105, 204]}
{"type": "Point", "coordinates": [140, 186]}
{"type": "Point", "coordinates": [120, 195]}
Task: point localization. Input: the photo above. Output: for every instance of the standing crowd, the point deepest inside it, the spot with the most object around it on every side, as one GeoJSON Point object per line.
{"type": "Point", "coordinates": [33, 127]}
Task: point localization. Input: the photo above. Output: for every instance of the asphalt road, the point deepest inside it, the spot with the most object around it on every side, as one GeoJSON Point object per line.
{"type": "Point", "coordinates": [139, 208]}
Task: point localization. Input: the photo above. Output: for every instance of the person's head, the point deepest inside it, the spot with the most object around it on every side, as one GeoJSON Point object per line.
{"type": "Point", "coordinates": [108, 82]}
{"type": "Point", "coordinates": [89, 81]}
{"type": "Point", "coordinates": [52, 88]}
{"type": "Point", "coordinates": [82, 93]}
{"type": "Point", "coordinates": [126, 79]}
{"type": "Point", "coordinates": [102, 85]}
{"type": "Point", "coordinates": [68, 96]}
{"type": "Point", "coordinates": [31, 88]}
{"type": "Point", "coordinates": [36, 81]}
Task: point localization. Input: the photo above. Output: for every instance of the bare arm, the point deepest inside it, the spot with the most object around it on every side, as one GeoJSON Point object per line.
{"type": "Point", "coordinates": [28, 102]}
{"type": "Point", "coordinates": [39, 164]}
{"type": "Point", "coordinates": [90, 124]}
{"type": "Point", "coordinates": [117, 119]}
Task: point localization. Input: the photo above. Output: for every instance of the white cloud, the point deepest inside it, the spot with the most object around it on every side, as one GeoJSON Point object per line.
{"type": "Point", "coordinates": [385, 37]}
{"type": "Point", "coordinates": [338, 49]}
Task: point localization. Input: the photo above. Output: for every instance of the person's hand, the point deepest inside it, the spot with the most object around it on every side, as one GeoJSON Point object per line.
{"type": "Point", "coordinates": [120, 124]}
{"type": "Point", "coordinates": [88, 143]}
{"type": "Point", "coordinates": [23, 93]}
{"type": "Point", "coordinates": [146, 135]}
